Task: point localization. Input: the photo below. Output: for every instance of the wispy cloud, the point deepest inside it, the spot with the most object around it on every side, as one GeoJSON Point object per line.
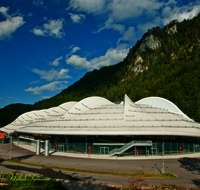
{"type": "Point", "coordinates": [52, 74]}
{"type": "Point", "coordinates": [129, 35]}
{"type": "Point", "coordinates": [73, 50]}
{"type": "Point", "coordinates": [180, 13]}
{"type": "Point", "coordinates": [12, 98]}
{"type": "Point", "coordinates": [53, 28]}
{"type": "Point", "coordinates": [10, 25]}
{"type": "Point", "coordinates": [121, 10]}
{"type": "Point", "coordinates": [88, 6]}
{"type": "Point", "coordinates": [110, 24]}
{"type": "Point", "coordinates": [30, 14]}
{"type": "Point", "coordinates": [35, 82]}
{"type": "Point", "coordinates": [38, 2]}
{"type": "Point", "coordinates": [53, 86]}
{"type": "Point", "coordinates": [46, 97]}
{"type": "Point", "coordinates": [56, 61]}
{"type": "Point", "coordinates": [144, 27]}
{"type": "Point", "coordinates": [118, 15]}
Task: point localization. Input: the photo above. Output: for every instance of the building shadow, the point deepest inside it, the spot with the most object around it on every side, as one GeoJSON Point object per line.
{"type": "Point", "coordinates": [191, 164]}
{"type": "Point", "coordinates": [20, 158]}
{"type": "Point", "coordinates": [196, 182]}
{"type": "Point", "coordinates": [71, 180]}
{"type": "Point", "coordinates": [47, 172]}
{"type": "Point", "coordinates": [50, 153]}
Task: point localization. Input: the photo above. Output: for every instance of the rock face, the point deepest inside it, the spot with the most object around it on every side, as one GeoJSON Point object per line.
{"type": "Point", "coordinates": [173, 29]}
{"type": "Point", "coordinates": [138, 59]}
{"type": "Point", "coordinates": [138, 67]}
{"type": "Point", "coordinates": [150, 42]}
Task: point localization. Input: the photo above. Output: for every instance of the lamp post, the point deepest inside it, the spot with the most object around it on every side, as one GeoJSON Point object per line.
{"type": "Point", "coordinates": [11, 147]}
{"type": "Point", "coordinates": [86, 145]}
{"type": "Point", "coordinates": [163, 159]}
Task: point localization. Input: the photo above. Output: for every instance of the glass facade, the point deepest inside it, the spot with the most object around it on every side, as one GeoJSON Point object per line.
{"type": "Point", "coordinates": [115, 145]}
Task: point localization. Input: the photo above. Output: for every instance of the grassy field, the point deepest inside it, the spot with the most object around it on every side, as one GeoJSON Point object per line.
{"type": "Point", "coordinates": [14, 181]}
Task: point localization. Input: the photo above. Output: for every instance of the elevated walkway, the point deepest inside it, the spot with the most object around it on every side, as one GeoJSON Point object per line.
{"type": "Point", "coordinates": [118, 151]}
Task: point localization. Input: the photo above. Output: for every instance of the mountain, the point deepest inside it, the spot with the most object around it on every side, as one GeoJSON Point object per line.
{"type": "Point", "coordinates": [165, 62]}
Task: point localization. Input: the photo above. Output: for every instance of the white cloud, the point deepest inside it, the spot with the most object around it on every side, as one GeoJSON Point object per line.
{"type": "Point", "coordinates": [78, 62]}
{"type": "Point", "coordinates": [1, 98]}
{"type": "Point", "coordinates": [76, 18]}
{"type": "Point", "coordinates": [53, 86]}
{"type": "Point", "coordinates": [10, 25]}
{"type": "Point", "coordinates": [111, 57]}
{"type": "Point", "coordinates": [166, 10]}
{"type": "Point", "coordinates": [52, 28]}
{"type": "Point", "coordinates": [56, 61]}
{"type": "Point", "coordinates": [88, 6]}
{"type": "Point", "coordinates": [52, 74]}
{"type": "Point", "coordinates": [38, 32]}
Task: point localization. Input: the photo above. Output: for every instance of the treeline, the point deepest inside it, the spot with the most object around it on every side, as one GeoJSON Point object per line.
{"type": "Point", "coordinates": [171, 71]}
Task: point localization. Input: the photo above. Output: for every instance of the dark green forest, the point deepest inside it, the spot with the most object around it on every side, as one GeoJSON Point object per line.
{"type": "Point", "coordinates": [171, 70]}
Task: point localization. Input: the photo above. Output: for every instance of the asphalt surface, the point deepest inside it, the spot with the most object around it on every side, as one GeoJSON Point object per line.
{"type": "Point", "coordinates": [187, 169]}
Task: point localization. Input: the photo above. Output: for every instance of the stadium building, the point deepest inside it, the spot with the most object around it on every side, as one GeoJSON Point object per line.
{"type": "Point", "coordinates": [95, 125]}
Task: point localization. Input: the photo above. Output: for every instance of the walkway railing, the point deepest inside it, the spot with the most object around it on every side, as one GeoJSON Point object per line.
{"type": "Point", "coordinates": [129, 145]}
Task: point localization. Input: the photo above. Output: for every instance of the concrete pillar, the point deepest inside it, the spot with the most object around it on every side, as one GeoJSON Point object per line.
{"type": "Point", "coordinates": [46, 150]}
{"type": "Point", "coordinates": [37, 147]}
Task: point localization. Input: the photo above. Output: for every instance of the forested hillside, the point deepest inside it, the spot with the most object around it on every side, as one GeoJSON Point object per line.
{"type": "Point", "coordinates": [164, 63]}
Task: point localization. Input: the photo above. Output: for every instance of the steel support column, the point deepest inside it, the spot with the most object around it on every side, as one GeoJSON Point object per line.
{"type": "Point", "coordinates": [37, 147]}
{"type": "Point", "coordinates": [46, 151]}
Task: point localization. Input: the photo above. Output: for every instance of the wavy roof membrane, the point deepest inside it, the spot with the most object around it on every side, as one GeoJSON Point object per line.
{"type": "Point", "coordinates": [99, 116]}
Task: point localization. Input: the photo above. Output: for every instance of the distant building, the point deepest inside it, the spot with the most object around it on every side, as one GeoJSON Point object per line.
{"type": "Point", "coordinates": [97, 126]}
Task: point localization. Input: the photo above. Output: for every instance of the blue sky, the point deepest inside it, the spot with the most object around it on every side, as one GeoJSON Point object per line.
{"type": "Point", "coordinates": [47, 45]}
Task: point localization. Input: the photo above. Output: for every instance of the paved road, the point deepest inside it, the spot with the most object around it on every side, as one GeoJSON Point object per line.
{"type": "Point", "coordinates": [187, 169]}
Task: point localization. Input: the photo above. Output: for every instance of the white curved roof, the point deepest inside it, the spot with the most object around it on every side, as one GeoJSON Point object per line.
{"type": "Point", "coordinates": [89, 103]}
{"type": "Point", "coordinates": [67, 106]}
{"type": "Point", "coordinates": [99, 116]}
{"type": "Point", "coordinates": [161, 103]}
